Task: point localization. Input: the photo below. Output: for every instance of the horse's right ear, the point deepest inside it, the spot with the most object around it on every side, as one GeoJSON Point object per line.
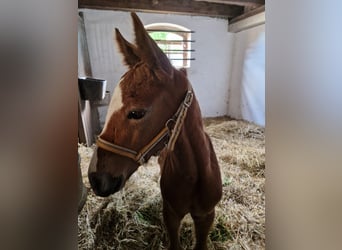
{"type": "Point", "coordinates": [183, 70]}
{"type": "Point", "coordinates": [128, 50]}
{"type": "Point", "coordinates": [148, 49]}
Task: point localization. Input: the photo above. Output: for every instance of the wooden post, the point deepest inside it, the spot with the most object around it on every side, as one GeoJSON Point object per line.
{"type": "Point", "coordinates": [89, 123]}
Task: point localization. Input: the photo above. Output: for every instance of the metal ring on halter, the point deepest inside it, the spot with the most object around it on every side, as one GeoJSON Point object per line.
{"type": "Point", "coordinates": [168, 123]}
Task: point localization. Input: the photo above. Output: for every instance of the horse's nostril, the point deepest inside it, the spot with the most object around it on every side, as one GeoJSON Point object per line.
{"type": "Point", "coordinates": [104, 184]}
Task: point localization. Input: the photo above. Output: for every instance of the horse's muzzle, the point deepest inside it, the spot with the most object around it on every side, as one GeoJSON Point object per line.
{"type": "Point", "coordinates": [103, 184]}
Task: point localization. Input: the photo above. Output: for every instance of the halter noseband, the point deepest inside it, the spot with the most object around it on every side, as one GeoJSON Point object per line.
{"type": "Point", "coordinates": [167, 135]}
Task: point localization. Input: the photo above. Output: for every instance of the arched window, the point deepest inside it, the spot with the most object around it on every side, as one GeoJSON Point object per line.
{"type": "Point", "coordinates": [175, 41]}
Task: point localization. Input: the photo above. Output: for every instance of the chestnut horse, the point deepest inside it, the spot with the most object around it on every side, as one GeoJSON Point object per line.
{"type": "Point", "coordinates": [154, 111]}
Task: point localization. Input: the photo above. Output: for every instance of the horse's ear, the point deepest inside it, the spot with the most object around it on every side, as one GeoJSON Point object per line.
{"type": "Point", "coordinates": [148, 49]}
{"type": "Point", "coordinates": [128, 50]}
{"type": "Point", "coordinates": [183, 70]}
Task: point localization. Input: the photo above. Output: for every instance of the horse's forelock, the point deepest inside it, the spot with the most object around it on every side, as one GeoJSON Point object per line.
{"type": "Point", "coordinates": [141, 74]}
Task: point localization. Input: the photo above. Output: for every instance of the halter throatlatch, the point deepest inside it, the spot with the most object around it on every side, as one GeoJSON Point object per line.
{"type": "Point", "coordinates": [167, 135]}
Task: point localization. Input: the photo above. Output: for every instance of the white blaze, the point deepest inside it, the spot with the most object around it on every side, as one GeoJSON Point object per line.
{"type": "Point", "coordinates": [114, 105]}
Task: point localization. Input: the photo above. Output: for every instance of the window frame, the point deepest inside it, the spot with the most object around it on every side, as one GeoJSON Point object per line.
{"type": "Point", "coordinates": [185, 42]}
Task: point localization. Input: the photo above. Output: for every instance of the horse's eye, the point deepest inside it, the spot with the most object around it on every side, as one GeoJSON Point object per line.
{"type": "Point", "coordinates": [136, 114]}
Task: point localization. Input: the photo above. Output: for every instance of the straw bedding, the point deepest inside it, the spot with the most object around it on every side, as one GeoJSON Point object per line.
{"type": "Point", "coordinates": [132, 218]}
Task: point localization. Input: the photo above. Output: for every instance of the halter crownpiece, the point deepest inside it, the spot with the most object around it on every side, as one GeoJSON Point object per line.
{"type": "Point", "coordinates": [180, 117]}
{"type": "Point", "coordinates": [167, 135]}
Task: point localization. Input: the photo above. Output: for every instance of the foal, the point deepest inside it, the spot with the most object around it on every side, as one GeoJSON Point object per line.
{"type": "Point", "coordinates": [154, 111]}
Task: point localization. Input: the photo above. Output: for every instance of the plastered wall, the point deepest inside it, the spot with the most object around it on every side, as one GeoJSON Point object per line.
{"type": "Point", "coordinates": [209, 73]}
{"type": "Point", "coordinates": [247, 82]}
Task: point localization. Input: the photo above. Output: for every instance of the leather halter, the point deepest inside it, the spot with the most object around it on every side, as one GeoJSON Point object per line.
{"type": "Point", "coordinates": [167, 135]}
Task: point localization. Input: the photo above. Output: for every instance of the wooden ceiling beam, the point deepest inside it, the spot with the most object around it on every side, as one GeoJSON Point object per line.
{"type": "Point", "coordinates": [245, 3]}
{"type": "Point", "coordinates": [188, 7]}
{"type": "Point", "coordinates": [248, 14]}
{"type": "Point", "coordinates": [248, 20]}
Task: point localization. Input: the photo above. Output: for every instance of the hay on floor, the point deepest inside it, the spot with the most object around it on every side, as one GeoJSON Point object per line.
{"type": "Point", "coordinates": [132, 218]}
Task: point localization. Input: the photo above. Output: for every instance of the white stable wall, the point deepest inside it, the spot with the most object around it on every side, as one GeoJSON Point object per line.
{"type": "Point", "coordinates": [247, 82]}
{"type": "Point", "coordinates": [209, 73]}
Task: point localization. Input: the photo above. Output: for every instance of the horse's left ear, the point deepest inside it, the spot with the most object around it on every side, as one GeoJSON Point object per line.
{"type": "Point", "coordinates": [148, 49]}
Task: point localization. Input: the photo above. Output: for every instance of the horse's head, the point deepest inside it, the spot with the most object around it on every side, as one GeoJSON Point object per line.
{"type": "Point", "coordinates": [146, 97]}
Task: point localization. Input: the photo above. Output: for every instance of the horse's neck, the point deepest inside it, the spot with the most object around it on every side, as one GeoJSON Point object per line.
{"type": "Point", "coordinates": [191, 147]}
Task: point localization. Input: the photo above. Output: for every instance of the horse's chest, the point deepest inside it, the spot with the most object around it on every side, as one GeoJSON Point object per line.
{"type": "Point", "coordinates": [177, 184]}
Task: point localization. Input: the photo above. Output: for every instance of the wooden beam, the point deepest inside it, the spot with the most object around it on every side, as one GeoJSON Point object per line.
{"type": "Point", "coordinates": [88, 115]}
{"type": "Point", "coordinates": [82, 136]}
{"type": "Point", "coordinates": [188, 7]}
{"type": "Point", "coordinates": [248, 20]}
{"type": "Point", "coordinates": [84, 69]}
{"type": "Point", "coordinates": [247, 3]}
{"type": "Point", "coordinates": [250, 13]}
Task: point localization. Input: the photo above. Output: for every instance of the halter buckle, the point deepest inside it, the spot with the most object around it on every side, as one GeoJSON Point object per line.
{"type": "Point", "coordinates": [188, 99]}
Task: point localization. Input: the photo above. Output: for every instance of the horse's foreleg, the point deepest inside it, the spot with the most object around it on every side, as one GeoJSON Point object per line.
{"type": "Point", "coordinates": [202, 227]}
{"type": "Point", "coordinates": [172, 223]}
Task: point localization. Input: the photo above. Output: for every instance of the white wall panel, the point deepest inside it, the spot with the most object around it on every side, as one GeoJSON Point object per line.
{"type": "Point", "coordinates": [247, 83]}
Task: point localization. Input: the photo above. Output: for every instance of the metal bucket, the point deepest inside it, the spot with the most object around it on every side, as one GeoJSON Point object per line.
{"type": "Point", "coordinates": [92, 89]}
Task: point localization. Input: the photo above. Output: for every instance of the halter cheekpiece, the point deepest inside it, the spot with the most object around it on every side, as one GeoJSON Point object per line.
{"type": "Point", "coordinates": [168, 135]}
